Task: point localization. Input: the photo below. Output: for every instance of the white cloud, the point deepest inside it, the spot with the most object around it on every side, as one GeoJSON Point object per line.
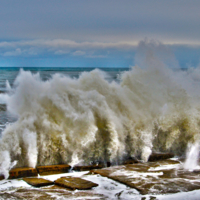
{"type": "Point", "coordinates": [19, 52]}
{"type": "Point", "coordinates": [61, 47]}
{"type": "Point", "coordinates": [78, 53]}
{"type": "Point", "coordinates": [61, 52]}
{"type": "Point", "coordinates": [16, 52]}
{"type": "Point", "coordinates": [96, 56]}
{"type": "Point", "coordinates": [62, 43]}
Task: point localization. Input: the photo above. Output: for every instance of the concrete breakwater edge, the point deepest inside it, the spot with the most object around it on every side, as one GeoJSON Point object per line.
{"type": "Point", "coordinates": [65, 168]}
{"type": "Point", "coordinates": [145, 180]}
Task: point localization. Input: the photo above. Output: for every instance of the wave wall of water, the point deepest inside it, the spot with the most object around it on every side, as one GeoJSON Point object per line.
{"type": "Point", "coordinates": [79, 120]}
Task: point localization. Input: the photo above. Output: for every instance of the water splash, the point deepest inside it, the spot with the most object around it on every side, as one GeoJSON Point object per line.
{"type": "Point", "coordinates": [192, 157]}
{"type": "Point", "coordinates": [67, 120]}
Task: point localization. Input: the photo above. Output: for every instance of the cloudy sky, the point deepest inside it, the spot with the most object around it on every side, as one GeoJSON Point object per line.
{"type": "Point", "coordinates": [95, 33]}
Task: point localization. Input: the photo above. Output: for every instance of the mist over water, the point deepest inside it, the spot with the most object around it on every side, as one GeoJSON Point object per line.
{"type": "Point", "coordinates": [154, 106]}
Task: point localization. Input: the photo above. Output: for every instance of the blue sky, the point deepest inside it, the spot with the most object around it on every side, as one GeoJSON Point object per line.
{"type": "Point", "coordinates": [95, 33]}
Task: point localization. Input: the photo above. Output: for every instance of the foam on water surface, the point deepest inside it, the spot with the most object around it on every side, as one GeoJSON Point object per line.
{"type": "Point", "coordinates": [109, 188]}
{"type": "Point", "coordinates": [165, 167]}
{"type": "Point", "coordinates": [135, 174]}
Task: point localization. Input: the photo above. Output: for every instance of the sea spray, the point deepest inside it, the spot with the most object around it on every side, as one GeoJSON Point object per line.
{"type": "Point", "coordinates": [192, 157]}
{"type": "Point", "coordinates": [72, 120]}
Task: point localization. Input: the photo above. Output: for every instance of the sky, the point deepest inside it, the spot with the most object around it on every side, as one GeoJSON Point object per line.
{"type": "Point", "coordinates": [96, 33]}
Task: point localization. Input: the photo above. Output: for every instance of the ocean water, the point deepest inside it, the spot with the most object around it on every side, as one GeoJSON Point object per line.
{"type": "Point", "coordinates": [83, 115]}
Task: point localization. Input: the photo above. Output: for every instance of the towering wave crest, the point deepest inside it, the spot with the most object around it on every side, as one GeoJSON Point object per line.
{"type": "Point", "coordinates": [67, 120]}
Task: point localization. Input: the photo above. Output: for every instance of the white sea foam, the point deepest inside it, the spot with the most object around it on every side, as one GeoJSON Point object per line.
{"type": "Point", "coordinates": [67, 120]}
{"type": "Point", "coordinates": [165, 167]}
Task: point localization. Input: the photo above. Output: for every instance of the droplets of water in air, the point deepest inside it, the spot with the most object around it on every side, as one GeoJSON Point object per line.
{"type": "Point", "coordinates": [78, 120]}
{"type": "Point", "coordinates": [192, 157]}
